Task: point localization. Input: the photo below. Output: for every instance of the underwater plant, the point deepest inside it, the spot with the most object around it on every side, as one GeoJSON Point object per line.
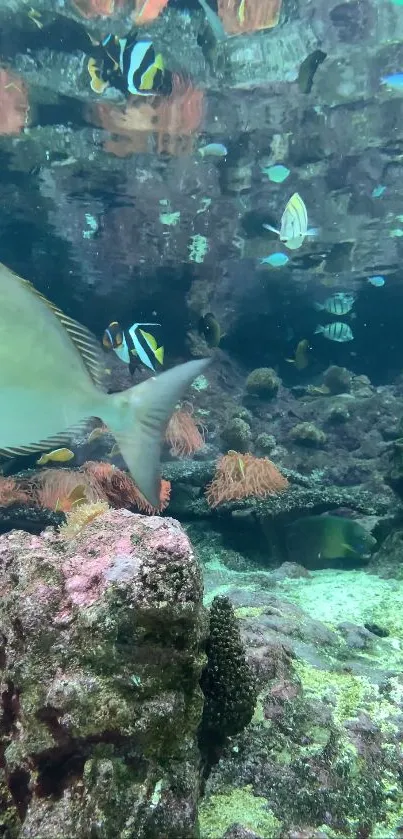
{"type": "Point", "coordinates": [183, 435]}
{"type": "Point", "coordinates": [243, 475]}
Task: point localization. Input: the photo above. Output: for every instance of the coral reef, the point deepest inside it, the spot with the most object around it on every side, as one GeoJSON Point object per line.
{"type": "Point", "coordinates": [263, 382]}
{"type": "Point", "coordinates": [100, 667]}
{"type": "Point", "coordinates": [307, 434]}
{"type": "Point", "coordinates": [337, 379]}
{"type": "Point", "coordinates": [236, 434]}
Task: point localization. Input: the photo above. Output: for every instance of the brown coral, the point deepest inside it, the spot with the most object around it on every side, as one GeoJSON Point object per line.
{"type": "Point", "coordinates": [243, 475]}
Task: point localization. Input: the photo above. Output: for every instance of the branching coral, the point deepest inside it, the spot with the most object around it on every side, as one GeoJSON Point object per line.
{"type": "Point", "coordinates": [243, 475]}
{"type": "Point", "coordinates": [227, 681]}
{"type": "Point", "coordinates": [182, 434]}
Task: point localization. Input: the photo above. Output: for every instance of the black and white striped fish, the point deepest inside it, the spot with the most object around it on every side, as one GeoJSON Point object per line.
{"type": "Point", "coordinates": [337, 331]}
{"type": "Point", "coordinates": [130, 64]}
{"type": "Point", "coordinates": [338, 304]}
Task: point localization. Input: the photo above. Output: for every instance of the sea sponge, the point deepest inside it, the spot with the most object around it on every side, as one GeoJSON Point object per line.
{"type": "Point", "coordinates": [227, 681]}
{"type": "Point", "coordinates": [236, 434]}
{"type": "Point", "coordinates": [266, 442]}
{"type": "Point", "coordinates": [80, 516]}
{"type": "Point", "coordinates": [337, 379]}
{"type": "Point", "coordinates": [263, 382]}
{"type": "Point", "coordinates": [308, 434]}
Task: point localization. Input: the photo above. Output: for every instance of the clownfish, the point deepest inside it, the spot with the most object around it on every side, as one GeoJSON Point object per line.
{"type": "Point", "coordinates": [134, 342]}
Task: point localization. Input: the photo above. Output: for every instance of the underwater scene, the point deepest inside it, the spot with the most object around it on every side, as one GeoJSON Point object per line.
{"type": "Point", "coordinates": [201, 424]}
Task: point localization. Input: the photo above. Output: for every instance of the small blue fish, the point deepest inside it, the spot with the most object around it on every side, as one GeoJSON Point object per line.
{"type": "Point", "coordinates": [276, 260]}
{"type": "Point", "coordinates": [377, 281]}
{"type": "Point", "coordinates": [213, 150]}
{"type": "Point", "coordinates": [394, 81]}
{"type": "Point", "coordinates": [378, 191]}
{"type": "Point", "coordinates": [277, 173]}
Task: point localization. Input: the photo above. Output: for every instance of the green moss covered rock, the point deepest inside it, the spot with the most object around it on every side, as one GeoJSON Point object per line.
{"type": "Point", "coordinates": [263, 382]}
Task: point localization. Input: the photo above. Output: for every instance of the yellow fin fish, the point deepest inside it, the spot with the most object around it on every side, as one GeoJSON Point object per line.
{"type": "Point", "coordinates": [301, 359]}
{"type": "Point", "coordinates": [35, 17]}
{"type": "Point", "coordinates": [56, 456]}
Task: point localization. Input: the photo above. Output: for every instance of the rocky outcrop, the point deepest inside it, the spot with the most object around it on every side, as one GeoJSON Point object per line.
{"type": "Point", "coordinates": [100, 660]}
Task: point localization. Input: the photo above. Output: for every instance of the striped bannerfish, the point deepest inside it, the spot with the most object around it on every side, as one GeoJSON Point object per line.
{"type": "Point", "coordinates": [338, 304]}
{"type": "Point", "coordinates": [130, 64]}
{"type": "Point", "coordinates": [337, 331]}
{"type": "Point", "coordinates": [133, 342]}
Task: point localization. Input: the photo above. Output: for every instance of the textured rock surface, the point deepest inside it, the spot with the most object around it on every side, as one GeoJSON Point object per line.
{"type": "Point", "coordinates": [322, 756]}
{"type": "Point", "coordinates": [100, 664]}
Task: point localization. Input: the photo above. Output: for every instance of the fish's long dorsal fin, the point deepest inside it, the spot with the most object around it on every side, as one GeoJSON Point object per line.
{"type": "Point", "coordinates": [62, 439]}
{"type": "Point", "coordinates": [82, 338]}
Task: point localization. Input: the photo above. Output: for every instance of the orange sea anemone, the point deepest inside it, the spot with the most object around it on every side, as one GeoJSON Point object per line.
{"type": "Point", "coordinates": [96, 8]}
{"type": "Point", "coordinates": [248, 15]}
{"type": "Point", "coordinates": [183, 435]}
{"type": "Point", "coordinates": [119, 489]}
{"type": "Point", "coordinates": [162, 124]}
{"type": "Point", "coordinates": [147, 10]}
{"type": "Point", "coordinates": [243, 475]}
{"type": "Point", "coordinates": [14, 105]}
{"type": "Point", "coordinates": [59, 489]}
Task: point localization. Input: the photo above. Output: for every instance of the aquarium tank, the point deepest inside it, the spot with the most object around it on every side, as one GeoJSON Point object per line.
{"type": "Point", "coordinates": [201, 424]}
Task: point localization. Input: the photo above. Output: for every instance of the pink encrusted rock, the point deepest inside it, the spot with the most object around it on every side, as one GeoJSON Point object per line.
{"type": "Point", "coordinates": [100, 657]}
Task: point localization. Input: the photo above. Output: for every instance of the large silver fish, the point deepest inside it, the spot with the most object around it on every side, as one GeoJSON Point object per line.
{"type": "Point", "coordinates": [51, 374]}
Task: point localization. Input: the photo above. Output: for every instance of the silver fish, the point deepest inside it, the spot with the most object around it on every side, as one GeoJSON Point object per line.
{"type": "Point", "coordinates": [51, 374]}
{"type": "Point", "coordinates": [338, 304]}
{"type": "Point", "coordinates": [337, 331]}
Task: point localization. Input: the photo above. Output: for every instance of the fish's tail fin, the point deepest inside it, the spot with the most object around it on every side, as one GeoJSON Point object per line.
{"type": "Point", "coordinates": [318, 329]}
{"type": "Point", "coordinates": [159, 354]}
{"type": "Point", "coordinates": [138, 417]}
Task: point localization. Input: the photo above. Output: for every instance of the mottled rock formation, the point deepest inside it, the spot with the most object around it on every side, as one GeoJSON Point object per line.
{"type": "Point", "coordinates": [100, 665]}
